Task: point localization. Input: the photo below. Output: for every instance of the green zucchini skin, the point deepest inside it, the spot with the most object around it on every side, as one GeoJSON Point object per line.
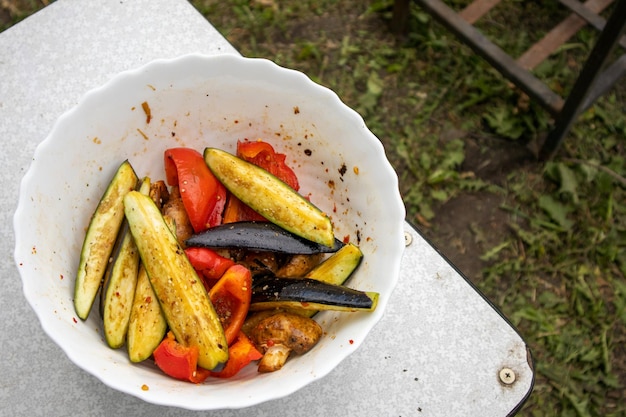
{"type": "Point", "coordinates": [100, 239]}
{"type": "Point", "coordinates": [337, 269]}
{"type": "Point", "coordinates": [184, 301]}
{"type": "Point", "coordinates": [340, 266]}
{"type": "Point", "coordinates": [147, 325]}
{"type": "Point", "coordinates": [270, 197]}
{"type": "Point", "coordinates": [259, 236]}
{"type": "Point", "coordinates": [119, 291]}
{"type": "Point", "coordinates": [120, 281]}
{"type": "Point", "coordinates": [306, 293]}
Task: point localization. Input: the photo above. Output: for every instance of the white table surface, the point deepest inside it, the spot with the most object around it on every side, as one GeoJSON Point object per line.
{"type": "Point", "coordinates": [438, 350]}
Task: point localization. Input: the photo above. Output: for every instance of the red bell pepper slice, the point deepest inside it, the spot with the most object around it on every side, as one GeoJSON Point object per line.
{"type": "Point", "coordinates": [237, 211]}
{"type": "Point", "coordinates": [240, 354]}
{"type": "Point", "coordinates": [203, 195]}
{"type": "Point", "coordinates": [178, 361]}
{"type": "Point", "coordinates": [209, 264]}
{"type": "Point", "coordinates": [262, 154]}
{"type": "Point", "coordinates": [231, 299]}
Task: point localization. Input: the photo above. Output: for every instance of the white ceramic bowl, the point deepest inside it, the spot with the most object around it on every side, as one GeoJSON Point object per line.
{"type": "Point", "coordinates": [200, 101]}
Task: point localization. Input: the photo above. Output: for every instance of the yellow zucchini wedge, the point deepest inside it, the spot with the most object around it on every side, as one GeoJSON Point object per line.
{"type": "Point", "coordinates": [100, 238]}
{"type": "Point", "coordinates": [120, 281]}
{"type": "Point", "coordinates": [270, 197]}
{"type": "Point", "coordinates": [337, 268]}
{"type": "Point", "coordinates": [119, 291]}
{"type": "Point", "coordinates": [147, 325]}
{"type": "Point", "coordinates": [181, 294]}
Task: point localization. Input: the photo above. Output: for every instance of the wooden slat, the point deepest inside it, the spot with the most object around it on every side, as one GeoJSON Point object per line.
{"type": "Point", "coordinates": [494, 55]}
{"type": "Point", "coordinates": [594, 19]}
{"type": "Point", "coordinates": [560, 34]}
{"type": "Point", "coordinates": [477, 9]}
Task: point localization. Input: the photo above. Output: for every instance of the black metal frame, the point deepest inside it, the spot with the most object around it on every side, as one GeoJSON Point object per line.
{"type": "Point", "coordinates": [592, 81]}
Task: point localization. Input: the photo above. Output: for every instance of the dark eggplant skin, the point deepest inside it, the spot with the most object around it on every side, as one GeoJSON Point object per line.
{"type": "Point", "coordinates": [258, 236]}
{"type": "Point", "coordinates": [271, 289]}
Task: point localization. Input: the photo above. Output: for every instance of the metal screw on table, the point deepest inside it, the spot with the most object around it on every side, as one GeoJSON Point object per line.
{"type": "Point", "coordinates": [507, 376]}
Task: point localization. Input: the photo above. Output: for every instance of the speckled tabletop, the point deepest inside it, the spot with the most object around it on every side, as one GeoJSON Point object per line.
{"type": "Point", "coordinates": [439, 350]}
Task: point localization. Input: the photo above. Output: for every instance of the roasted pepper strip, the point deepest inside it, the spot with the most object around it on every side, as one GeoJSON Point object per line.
{"type": "Point", "coordinates": [203, 195]}
{"type": "Point", "coordinates": [231, 299]}
{"type": "Point", "coordinates": [240, 354]}
{"type": "Point", "coordinates": [263, 155]}
{"type": "Point", "coordinates": [237, 211]}
{"type": "Point", "coordinates": [178, 361]}
{"type": "Point", "coordinates": [209, 264]}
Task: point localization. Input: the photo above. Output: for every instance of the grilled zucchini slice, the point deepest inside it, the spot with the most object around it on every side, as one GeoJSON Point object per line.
{"type": "Point", "coordinates": [100, 239]}
{"type": "Point", "coordinates": [119, 290]}
{"type": "Point", "coordinates": [337, 268]}
{"type": "Point", "coordinates": [270, 197]}
{"type": "Point", "coordinates": [181, 294]}
{"type": "Point", "coordinates": [120, 281]}
{"type": "Point", "coordinates": [147, 325]}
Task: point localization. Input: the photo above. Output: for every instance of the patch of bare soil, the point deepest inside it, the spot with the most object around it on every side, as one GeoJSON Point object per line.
{"type": "Point", "coordinates": [465, 227]}
{"type": "Point", "coordinates": [468, 225]}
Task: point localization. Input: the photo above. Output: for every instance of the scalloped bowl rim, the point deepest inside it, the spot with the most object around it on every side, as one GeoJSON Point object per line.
{"type": "Point", "coordinates": [35, 259]}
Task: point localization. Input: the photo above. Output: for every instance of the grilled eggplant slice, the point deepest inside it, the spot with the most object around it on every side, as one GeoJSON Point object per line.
{"type": "Point", "coordinates": [259, 236]}
{"type": "Point", "coordinates": [336, 269]}
{"type": "Point", "coordinates": [100, 239]}
{"type": "Point", "coordinates": [181, 294]}
{"type": "Point", "coordinates": [270, 197]}
{"type": "Point", "coordinates": [308, 294]}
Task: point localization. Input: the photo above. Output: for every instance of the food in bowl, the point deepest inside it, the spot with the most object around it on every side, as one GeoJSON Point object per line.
{"type": "Point", "coordinates": [252, 301]}
{"type": "Point", "coordinates": [198, 101]}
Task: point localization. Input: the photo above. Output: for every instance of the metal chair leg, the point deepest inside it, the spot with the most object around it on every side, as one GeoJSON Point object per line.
{"type": "Point", "coordinates": [577, 100]}
{"type": "Point", "coordinates": [400, 16]}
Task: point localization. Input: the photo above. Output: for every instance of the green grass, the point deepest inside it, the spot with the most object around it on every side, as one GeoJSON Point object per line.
{"type": "Point", "coordinates": [558, 267]}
